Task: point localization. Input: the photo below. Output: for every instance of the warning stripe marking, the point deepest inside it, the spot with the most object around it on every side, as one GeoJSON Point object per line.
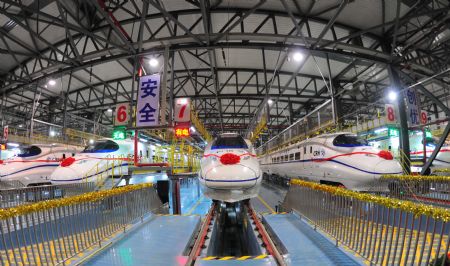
{"type": "Point", "coordinates": [263, 256]}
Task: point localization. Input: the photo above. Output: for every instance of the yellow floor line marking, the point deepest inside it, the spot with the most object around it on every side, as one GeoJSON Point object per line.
{"type": "Point", "coordinates": [265, 204]}
{"type": "Point", "coordinates": [195, 205]}
{"type": "Point", "coordinates": [260, 257]}
{"type": "Point", "coordinates": [243, 258]}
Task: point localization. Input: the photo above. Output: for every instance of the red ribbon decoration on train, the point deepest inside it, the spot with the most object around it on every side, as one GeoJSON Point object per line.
{"type": "Point", "coordinates": [230, 158]}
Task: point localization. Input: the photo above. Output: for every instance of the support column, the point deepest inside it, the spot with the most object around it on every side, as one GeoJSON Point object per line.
{"type": "Point", "coordinates": [164, 87]}
{"type": "Point", "coordinates": [404, 132]}
{"type": "Point", "coordinates": [175, 194]}
{"type": "Point", "coordinates": [444, 108]}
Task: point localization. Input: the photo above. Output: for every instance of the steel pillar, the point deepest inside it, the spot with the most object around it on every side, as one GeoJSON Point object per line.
{"type": "Point", "coordinates": [404, 131]}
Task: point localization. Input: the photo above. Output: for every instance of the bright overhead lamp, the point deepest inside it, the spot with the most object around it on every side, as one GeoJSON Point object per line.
{"type": "Point", "coordinates": [52, 82]}
{"type": "Point", "coordinates": [91, 141]}
{"type": "Point", "coordinates": [153, 62]}
{"type": "Point", "coordinates": [392, 95]}
{"type": "Point", "coordinates": [182, 101]}
{"type": "Point", "coordinates": [297, 56]}
{"type": "Point", "coordinates": [109, 110]}
{"type": "Point", "coordinates": [52, 133]}
{"type": "Point", "coordinates": [193, 129]}
{"type": "Point", "coordinates": [20, 125]}
{"type": "Point", "coordinates": [270, 101]}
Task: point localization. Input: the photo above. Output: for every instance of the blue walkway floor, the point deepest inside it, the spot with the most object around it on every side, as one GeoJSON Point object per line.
{"type": "Point", "coordinates": [160, 241]}
{"type": "Point", "coordinates": [192, 199]}
{"type": "Point", "coordinates": [304, 245]}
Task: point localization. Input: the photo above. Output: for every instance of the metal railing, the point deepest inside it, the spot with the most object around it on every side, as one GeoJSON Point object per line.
{"type": "Point", "coordinates": [384, 231]}
{"type": "Point", "coordinates": [53, 232]}
{"type": "Point", "coordinates": [17, 196]}
{"type": "Point", "coordinates": [433, 190]}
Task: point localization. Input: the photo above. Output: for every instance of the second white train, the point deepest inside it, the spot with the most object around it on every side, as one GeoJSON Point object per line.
{"type": "Point", "coordinates": [341, 159]}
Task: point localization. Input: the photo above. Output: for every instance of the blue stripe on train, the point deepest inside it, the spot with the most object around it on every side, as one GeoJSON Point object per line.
{"type": "Point", "coordinates": [234, 181]}
{"type": "Point", "coordinates": [344, 164]}
{"type": "Point", "coordinates": [29, 168]}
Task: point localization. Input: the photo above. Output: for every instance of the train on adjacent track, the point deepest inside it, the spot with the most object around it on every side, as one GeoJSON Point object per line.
{"type": "Point", "coordinates": [341, 159]}
{"type": "Point", "coordinates": [34, 164]}
{"type": "Point", "coordinates": [230, 171]}
{"type": "Point", "coordinates": [101, 159]}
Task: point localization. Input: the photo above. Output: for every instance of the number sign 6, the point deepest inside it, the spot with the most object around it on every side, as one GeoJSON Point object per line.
{"type": "Point", "coordinates": [122, 114]}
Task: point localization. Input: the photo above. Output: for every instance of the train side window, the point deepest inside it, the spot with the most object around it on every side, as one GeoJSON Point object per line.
{"type": "Point", "coordinates": [304, 149]}
{"type": "Point", "coordinates": [286, 158]}
{"type": "Point", "coordinates": [297, 156]}
{"type": "Point", "coordinates": [291, 157]}
{"type": "Point", "coordinates": [64, 156]}
{"type": "Point", "coordinates": [310, 149]}
{"type": "Point", "coordinates": [140, 153]}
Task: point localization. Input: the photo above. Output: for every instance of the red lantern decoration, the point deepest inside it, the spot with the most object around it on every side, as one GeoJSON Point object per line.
{"type": "Point", "coordinates": [67, 162]}
{"type": "Point", "coordinates": [386, 155]}
{"type": "Point", "coordinates": [230, 158]}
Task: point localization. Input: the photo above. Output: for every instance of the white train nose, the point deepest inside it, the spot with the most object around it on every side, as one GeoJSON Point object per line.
{"type": "Point", "coordinates": [387, 167]}
{"type": "Point", "coordinates": [65, 175]}
{"type": "Point", "coordinates": [230, 177]}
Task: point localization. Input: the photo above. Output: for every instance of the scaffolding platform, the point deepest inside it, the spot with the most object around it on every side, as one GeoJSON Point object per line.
{"type": "Point", "coordinates": [163, 240]}
{"type": "Point", "coordinates": [302, 244]}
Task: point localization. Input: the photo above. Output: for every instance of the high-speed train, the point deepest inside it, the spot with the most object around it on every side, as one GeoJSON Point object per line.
{"type": "Point", "coordinates": [34, 164]}
{"type": "Point", "coordinates": [101, 159]}
{"type": "Point", "coordinates": [230, 171]}
{"type": "Point", "coordinates": [442, 159]}
{"type": "Point", "coordinates": [341, 159]}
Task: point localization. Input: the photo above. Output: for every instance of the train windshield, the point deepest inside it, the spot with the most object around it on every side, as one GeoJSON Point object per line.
{"type": "Point", "coordinates": [29, 151]}
{"type": "Point", "coordinates": [349, 141]}
{"type": "Point", "coordinates": [229, 142]}
{"type": "Point", "coordinates": [102, 146]}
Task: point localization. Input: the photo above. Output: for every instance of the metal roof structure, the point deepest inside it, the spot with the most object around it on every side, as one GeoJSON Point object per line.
{"type": "Point", "coordinates": [229, 56]}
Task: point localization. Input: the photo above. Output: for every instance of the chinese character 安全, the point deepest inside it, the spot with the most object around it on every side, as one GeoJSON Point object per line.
{"type": "Point", "coordinates": [148, 87]}
{"type": "Point", "coordinates": [147, 114]}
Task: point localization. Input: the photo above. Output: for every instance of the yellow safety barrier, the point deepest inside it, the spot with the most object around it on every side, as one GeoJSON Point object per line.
{"type": "Point", "coordinates": [182, 157]}
{"type": "Point", "coordinates": [108, 166]}
{"type": "Point", "coordinates": [437, 178]}
{"type": "Point", "coordinates": [199, 126]}
{"type": "Point", "coordinates": [83, 198]}
{"type": "Point", "coordinates": [438, 213]}
{"type": "Point", "coordinates": [260, 128]}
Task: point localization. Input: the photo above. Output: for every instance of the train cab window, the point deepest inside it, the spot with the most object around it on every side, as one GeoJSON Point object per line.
{"type": "Point", "coordinates": [29, 151]}
{"type": "Point", "coordinates": [73, 154]}
{"type": "Point", "coordinates": [291, 157]}
{"type": "Point", "coordinates": [102, 146]}
{"type": "Point", "coordinates": [229, 142]}
{"type": "Point", "coordinates": [347, 140]}
{"type": "Point", "coordinates": [64, 156]}
{"type": "Point", "coordinates": [297, 156]}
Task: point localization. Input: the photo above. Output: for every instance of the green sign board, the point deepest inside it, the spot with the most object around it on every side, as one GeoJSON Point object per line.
{"type": "Point", "coordinates": [119, 133]}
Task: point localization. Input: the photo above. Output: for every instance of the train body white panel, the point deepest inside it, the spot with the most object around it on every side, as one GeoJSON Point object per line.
{"type": "Point", "coordinates": [35, 163]}
{"type": "Point", "coordinates": [230, 171]}
{"type": "Point", "coordinates": [104, 158]}
{"type": "Point", "coordinates": [330, 159]}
